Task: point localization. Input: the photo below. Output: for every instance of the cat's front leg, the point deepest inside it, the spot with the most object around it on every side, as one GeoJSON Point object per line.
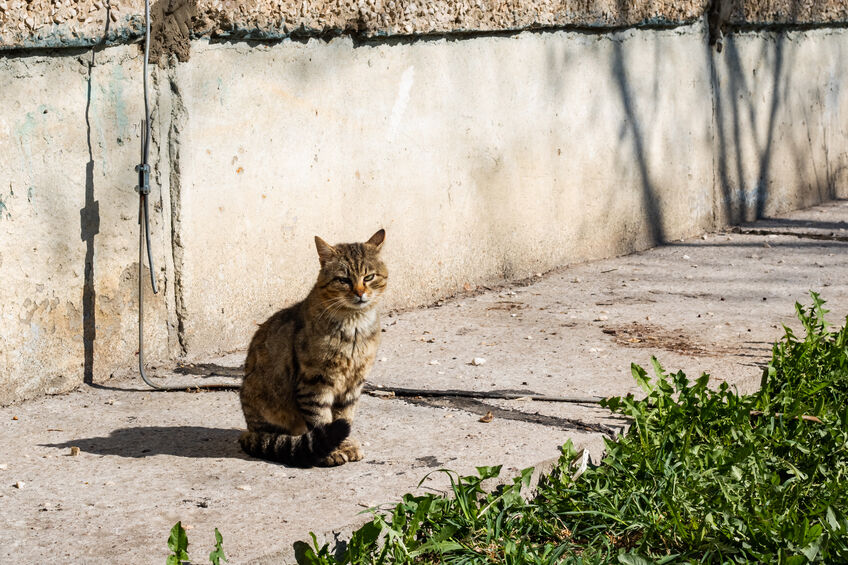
{"type": "Point", "coordinates": [350, 449]}
{"type": "Point", "coordinates": [314, 397]}
{"type": "Point", "coordinates": [344, 406]}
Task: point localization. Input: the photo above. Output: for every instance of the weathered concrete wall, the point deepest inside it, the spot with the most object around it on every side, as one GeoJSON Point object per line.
{"type": "Point", "coordinates": [68, 222]}
{"type": "Point", "coordinates": [45, 23]}
{"type": "Point", "coordinates": [476, 158]}
{"type": "Point", "coordinates": [484, 158]}
{"type": "Point", "coordinates": [781, 106]}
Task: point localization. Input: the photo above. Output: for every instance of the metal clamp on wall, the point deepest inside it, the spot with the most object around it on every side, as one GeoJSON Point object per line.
{"type": "Point", "coordinates": [143, 171]}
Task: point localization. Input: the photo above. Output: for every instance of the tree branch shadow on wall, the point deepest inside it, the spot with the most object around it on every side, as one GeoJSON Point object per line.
{"type": "Point", "coordinates": [90, 226]}
{"type": "Point", "coordinates": [736, 202]}
{"type": "Point", "coordinates": [633, 125]}
{"type": "Point", "coordinates": [744, 196]}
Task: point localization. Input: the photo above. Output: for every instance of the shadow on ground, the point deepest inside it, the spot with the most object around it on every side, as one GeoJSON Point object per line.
{"type": "Point", "coordinates": [181, 441]}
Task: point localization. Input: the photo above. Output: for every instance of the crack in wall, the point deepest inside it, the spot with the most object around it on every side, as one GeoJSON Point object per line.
{"type": "Point", "coordinates": [179, 117]}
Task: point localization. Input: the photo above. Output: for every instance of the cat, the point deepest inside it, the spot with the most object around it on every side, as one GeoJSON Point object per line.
{"type": "Point", "coordinates": [307, 363]}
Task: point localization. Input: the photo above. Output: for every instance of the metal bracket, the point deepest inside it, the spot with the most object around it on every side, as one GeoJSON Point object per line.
{"type": "Point", "coordinates": [143, 171]}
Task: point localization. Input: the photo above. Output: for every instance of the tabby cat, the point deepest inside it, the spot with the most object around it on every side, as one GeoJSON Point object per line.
{"type": "Point", "coordinates": [307, 363]}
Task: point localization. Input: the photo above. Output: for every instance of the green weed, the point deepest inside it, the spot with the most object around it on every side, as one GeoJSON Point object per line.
{"type": "Point", "coordinates": [178, 544]}
{"type": "Point", "coordinates": [703, 475]}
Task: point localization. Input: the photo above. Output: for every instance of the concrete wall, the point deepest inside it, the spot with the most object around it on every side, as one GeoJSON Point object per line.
{"type": "Point", "coordinates": [473, 156]}
{"type": "Point", "coordinates": [780, 122]}
{"type": "Point", "coordinates": [485, 158]}
{"type": "Point", "coordinates": [68, 221]}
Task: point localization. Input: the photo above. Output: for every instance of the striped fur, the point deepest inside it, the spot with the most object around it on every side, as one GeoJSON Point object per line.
{"type": "Point", "coordinates": [307, 363]}
{"type": "Point", "coordinates": [300, 450]}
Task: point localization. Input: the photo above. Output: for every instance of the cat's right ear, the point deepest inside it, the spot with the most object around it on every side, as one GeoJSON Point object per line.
{"type": "Point", "coordinates": [325, 250]}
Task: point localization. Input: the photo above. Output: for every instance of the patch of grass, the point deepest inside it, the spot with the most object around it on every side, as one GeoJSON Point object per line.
{"type": "Point", "coordinates": [702, 475]}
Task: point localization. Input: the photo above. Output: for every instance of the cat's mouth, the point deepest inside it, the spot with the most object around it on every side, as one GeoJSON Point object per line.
{"type": "Point", "coordinates": [360, 302]}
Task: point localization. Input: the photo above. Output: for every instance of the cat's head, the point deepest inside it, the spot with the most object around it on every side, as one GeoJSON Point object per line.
{"type": "Point", "coordinates": [352, 276]}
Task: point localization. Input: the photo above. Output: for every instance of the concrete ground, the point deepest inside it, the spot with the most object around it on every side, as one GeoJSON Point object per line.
{"type": "Point", "coordinates": [147, 459]}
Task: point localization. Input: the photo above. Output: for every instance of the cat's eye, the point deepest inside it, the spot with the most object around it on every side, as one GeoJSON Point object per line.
{"type": "Point", "coordinates": [369, 278]}
{"type": "Point", "coordinates": [344, 280]}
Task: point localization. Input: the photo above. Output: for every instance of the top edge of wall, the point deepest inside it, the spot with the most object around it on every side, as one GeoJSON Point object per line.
{"type": "Point", "coordinates": [37, 24]}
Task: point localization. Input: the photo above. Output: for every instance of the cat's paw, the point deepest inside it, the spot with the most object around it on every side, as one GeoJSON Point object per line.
{"type": "Point", "coordinates": [334, 459]}
{"type": "Point", "coordinates": [350, 447]}
{"type": "Point", "coordinates": [347, 452]}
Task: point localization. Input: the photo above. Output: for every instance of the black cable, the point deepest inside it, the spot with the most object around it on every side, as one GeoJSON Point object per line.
{"type": "Point", "coordinates": [143, 210]}
{"type": "Point", "coordinates": [144, 227]}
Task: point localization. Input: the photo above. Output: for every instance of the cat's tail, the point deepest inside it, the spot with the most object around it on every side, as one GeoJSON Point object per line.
{"type": "Point", "coordinates": [301, 451]}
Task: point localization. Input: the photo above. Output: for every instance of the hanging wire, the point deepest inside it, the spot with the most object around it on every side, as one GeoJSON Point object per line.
{"type": "Point", "coordinates": [143, 210]}
{"type": "Point", "coordinates": [143, 170]}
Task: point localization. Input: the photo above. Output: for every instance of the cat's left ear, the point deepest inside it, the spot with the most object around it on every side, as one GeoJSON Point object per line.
{"type": "Point", "coordinates": [377, 239]}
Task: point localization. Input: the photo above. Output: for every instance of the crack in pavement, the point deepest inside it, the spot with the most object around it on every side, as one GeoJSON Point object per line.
{"type": "Point", "coordinates": [801, 235]}
{"type": "Point", "coordinates": [479, 407]}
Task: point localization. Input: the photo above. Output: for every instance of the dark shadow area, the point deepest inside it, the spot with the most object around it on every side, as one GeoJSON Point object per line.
{"type": "Point", "coordinates": [180, 441]}
{"type": "Point", "coordinates": [633, 124]}
{"type": "Point", "coordinates": [832, 236]}
{"type": "Point", "coordinates": [366, 39]}
{"type": "Point", "coordinates": [192, 388]}
{"type": "Point", "coordinates": [303, 552]}
{"type": "Point", "coordinates": [818, 243]}
{"type": "Point", "coordinates": [200, 370]}
{"type": "Point", "coordinates": [90, 227]}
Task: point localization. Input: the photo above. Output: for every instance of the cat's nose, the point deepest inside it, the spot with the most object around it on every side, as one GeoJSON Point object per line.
{"type": "Point", "coordinates": [359, 291]}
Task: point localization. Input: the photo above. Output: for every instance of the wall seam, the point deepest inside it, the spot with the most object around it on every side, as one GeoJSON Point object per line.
{"type": "Point", "coordinates": [714, 149]}
{"type": "Point", "coordinates": [178, 119]}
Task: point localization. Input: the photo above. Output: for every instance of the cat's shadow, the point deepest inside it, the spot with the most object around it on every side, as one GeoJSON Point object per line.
{"type": "Point", "coordinates": [180, 441]}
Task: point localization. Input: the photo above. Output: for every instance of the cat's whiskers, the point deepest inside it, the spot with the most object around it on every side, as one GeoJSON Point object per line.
{"type": "Point", "coordinates": [331, 308]}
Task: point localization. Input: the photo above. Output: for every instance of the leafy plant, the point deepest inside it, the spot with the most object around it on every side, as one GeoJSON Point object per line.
{"type": "Point", "coordinates": [178, 544]}
{"type": "Point", "coordinates": [217, 554]}
{"type": "Point", "coordinates": [702, 475]}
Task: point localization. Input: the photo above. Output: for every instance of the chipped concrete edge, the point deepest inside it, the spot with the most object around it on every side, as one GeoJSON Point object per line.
{"type": "Point", "coordinates": [40, 25]}
{"type": "Point", "coordinates": [337, 537]}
